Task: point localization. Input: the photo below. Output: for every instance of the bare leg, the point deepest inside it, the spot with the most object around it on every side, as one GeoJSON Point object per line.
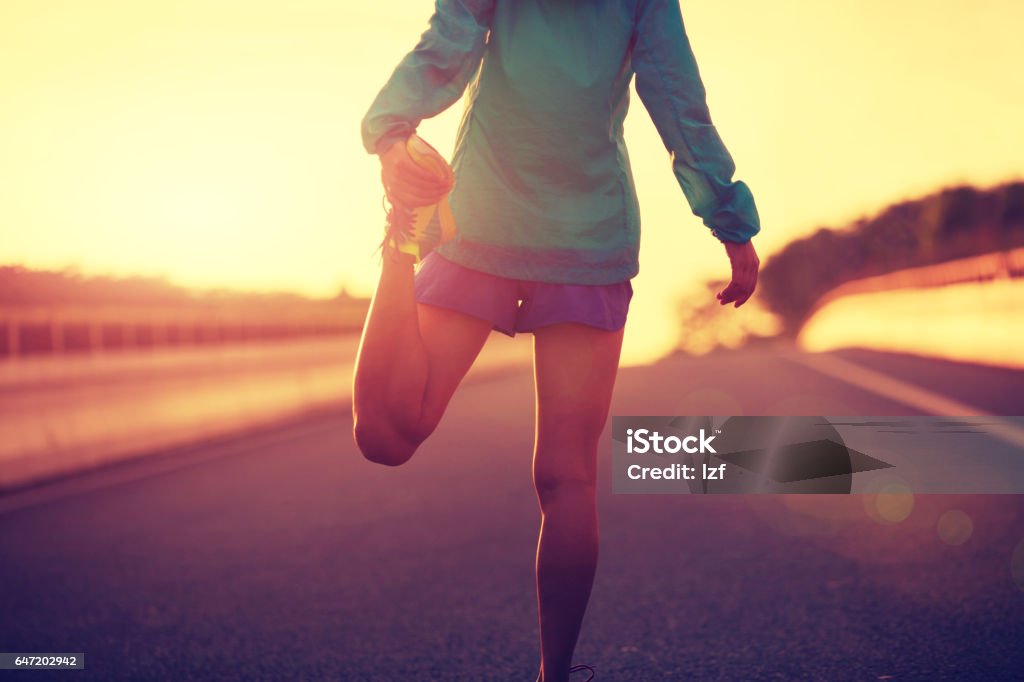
{"type": "Point", "coordinates": [575, 369]}
{"type": "Point", "coordinates": [411, 359]}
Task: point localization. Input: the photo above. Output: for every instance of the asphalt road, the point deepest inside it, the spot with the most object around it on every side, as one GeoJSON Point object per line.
{"type": "Point", "coordinates": [282, 555]}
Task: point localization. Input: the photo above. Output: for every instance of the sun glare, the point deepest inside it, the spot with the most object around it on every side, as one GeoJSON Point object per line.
{"type": "Point", "coordinates": [217, 144]}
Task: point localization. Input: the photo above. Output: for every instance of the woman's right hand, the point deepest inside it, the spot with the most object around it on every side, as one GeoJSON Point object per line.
{"type": "Point", "coordinates": [406, 183]}
{"type": "Point", "coordinates": [745, 265]}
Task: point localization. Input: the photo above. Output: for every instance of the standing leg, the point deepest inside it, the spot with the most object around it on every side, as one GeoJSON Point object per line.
{"type": "Point", "coordinates": [575, 367]}
{"type": "Point", "coordinates": [411, 359]}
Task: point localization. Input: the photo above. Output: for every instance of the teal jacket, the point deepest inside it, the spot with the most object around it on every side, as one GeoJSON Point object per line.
{"type": "Point", "coordinates": [543, 187]}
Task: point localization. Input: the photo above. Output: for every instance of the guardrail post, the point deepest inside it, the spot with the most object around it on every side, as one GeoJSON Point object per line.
{"type": "Point", "coordinates": [56, 336]}
{"type": "Point", "coordinates": [1003, 269]}
{"type": "Point", "coordinates": [95, 337]}
{"type": "Point", "coordinates": [13, 338]}
{"type": "Point", "coordinates": [157, 334]}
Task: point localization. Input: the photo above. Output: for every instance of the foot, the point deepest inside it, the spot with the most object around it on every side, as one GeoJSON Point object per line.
{"type": "Point", "coordinates": [418, 231]}
{"type": "Point", "coordinates": [575, 669]}
{"type": "Point", "coordinates": [582, 668]}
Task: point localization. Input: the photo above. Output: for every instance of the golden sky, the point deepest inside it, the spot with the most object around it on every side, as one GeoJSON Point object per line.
{"type": "Point", "coordinates": [216, 142]}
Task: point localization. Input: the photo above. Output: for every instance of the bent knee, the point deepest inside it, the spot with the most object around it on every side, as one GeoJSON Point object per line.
{"type": "Point", "coordinates": [382, 446]}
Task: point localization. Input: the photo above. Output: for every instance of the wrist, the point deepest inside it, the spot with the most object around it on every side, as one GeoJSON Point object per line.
{"type": "Point", "coordinates": [732, 243]}
{"type": "Point", "coordinates": [385, 143]}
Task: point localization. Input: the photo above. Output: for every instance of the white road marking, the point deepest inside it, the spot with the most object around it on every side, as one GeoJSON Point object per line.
{"type": "Point", "coordinates": [145, 467]}
{"type": "Point", "coordinates": [908, 394]}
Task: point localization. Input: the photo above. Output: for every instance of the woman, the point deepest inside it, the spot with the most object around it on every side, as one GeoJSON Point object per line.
{"type": "Point", "coordinates": [547, 238]}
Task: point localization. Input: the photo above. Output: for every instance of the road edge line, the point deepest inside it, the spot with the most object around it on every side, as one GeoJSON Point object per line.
{"type": "Point", "coordinates": [914, 396]}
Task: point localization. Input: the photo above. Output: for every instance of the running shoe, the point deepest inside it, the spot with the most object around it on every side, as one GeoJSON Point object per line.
{"type": "Point", "coordinates": [420, 230]}
{"type": "Point", "coordinates": [578, 669]}
{"type": "Point", "coordinates": [583, 668]}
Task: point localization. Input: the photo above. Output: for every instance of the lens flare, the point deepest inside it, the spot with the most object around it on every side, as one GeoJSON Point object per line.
{"type": "Point", "coordinates": [955, 527]}
{"type": "Point", "coordinates": [1017, 565]}
{"type": "Point", "coordinates": [889, 501]}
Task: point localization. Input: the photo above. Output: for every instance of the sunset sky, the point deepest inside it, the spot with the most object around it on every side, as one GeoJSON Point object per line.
{"type": "Point", "coordinates": [216, 142]}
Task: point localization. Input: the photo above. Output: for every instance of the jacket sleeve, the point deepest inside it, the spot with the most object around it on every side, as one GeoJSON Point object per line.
{"type": "Point", "coordinates": [669, 84]}
{"type": "Point", "coordinates": [434, 75]}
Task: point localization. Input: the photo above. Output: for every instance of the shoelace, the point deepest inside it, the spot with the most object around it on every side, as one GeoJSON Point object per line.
{"type": "Point", "coordinates": [578, 669]}
{"type": "Point", "coordinates": [582, 668]}
{"type": "Point", "coordinates": [399, 222]}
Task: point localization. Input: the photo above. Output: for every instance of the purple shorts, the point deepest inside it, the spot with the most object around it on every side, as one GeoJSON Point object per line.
{"type": "Point", "coordinates": [518, 305]}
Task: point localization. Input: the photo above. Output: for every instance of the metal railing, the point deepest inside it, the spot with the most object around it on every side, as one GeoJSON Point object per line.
{"type": "Point", "coordinates": [59, 329]}
{"type": "Point", "coordinates": [986, 268]}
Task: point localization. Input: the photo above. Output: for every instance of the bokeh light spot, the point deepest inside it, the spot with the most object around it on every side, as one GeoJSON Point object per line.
{"type": "Point", "coordinates": [890, 502]}
{"type": "Point", "coordinates": [955, 527]}
{"type": "Point", "coordinates": [1017, 564]}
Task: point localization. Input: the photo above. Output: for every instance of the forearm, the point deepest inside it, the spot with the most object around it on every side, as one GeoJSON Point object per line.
{"type": "Point", "coordinates": [669, 83]}
{"type": "Point", "coordinates": [433, 76]}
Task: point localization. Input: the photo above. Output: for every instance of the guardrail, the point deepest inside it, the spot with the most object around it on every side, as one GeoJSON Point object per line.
{"type": "Point", "coordinates": [33, 330]}
{"type": "Point", "coordinates": [967, 310]}
{"type": "Point", "coordinates": [989, 267]}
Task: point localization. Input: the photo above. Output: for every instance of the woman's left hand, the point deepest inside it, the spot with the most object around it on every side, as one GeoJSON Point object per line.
{"type": "Point", "coordinates": [407, 183]}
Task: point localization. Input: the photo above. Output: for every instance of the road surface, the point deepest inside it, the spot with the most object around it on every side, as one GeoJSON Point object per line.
{"type": "Point", "coordinates": [282, 555]}
{"type": "Point", "coordinates": [65, 414]}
